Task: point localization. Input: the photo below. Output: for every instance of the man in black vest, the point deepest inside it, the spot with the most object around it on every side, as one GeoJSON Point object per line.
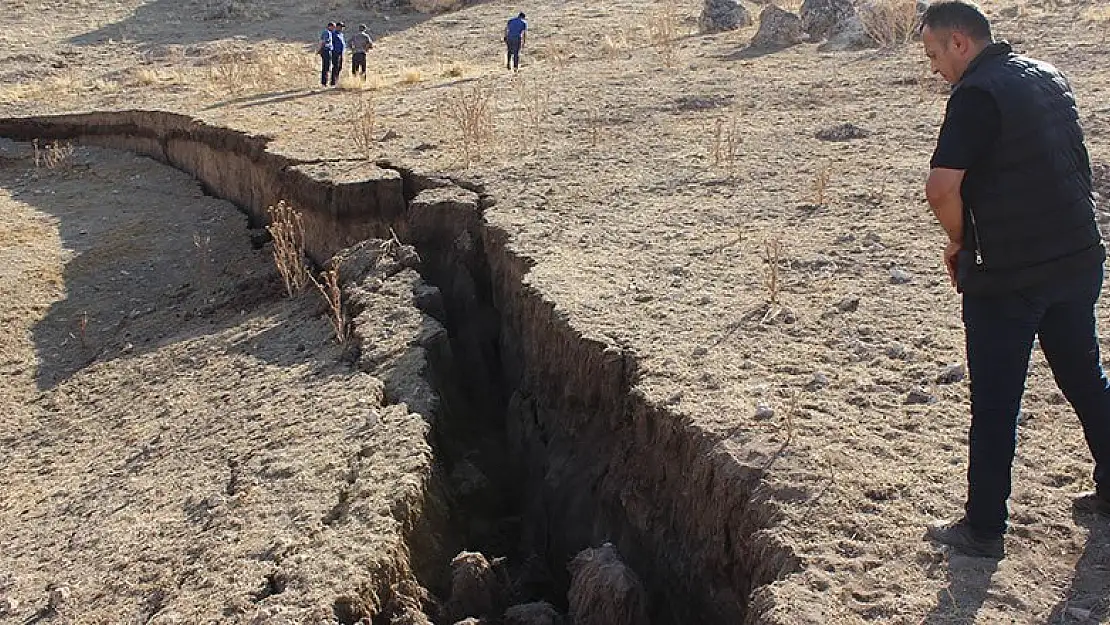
{"type": "Point", "coordinates": [1010, 182]}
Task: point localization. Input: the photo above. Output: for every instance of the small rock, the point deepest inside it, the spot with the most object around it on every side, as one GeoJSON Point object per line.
{"type": "Point", "coordinates": [897, 351]}
{"type": "Point", "coordinates": [389, 135]}
{"type": "Point", "coordinates": [900, 276]}
{"type": "Point", "coordinates": [59, 596]}
{"type": "Point", "coordinates": [424, 147]}
{"type": "Point", "coordinates": [700, 351]}
{"type": "Point", "coordinates": [778, 28]}
{"type": "Point", "coordinates": [1080, 613]}
{"type": "Point", "coordinates": [539, 613]}
{"type": "Point", "coordinates": [842, 132]}
{"type": "Point", "coordinates": [8, 606]}
{"type": "Point", "coordinates": [764, 411]}
{"type": "Point", "coordinates": [820, 380]}
{"type": "Point", "coordinates": [951, 374]}
{"type": "Point", "coordinates": [919, 396]}
{"type": "Point", "coordinates": [848, 304]}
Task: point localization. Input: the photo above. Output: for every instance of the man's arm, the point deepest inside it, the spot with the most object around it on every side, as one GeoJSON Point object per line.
{"type": "Point", "coordinates": [943, 192]}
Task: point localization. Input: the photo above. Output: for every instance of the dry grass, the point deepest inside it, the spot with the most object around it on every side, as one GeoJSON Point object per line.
{"type": "Point", "coordinates": [55, 155]}
{"type": "Point", "coordinates": [821, 185]}
{"type": "Point", "coordinates": [435, 6]}
{"type": "Point", "coordinates": [726, 144]}
{"type": "Point", "coordinates": [332, 292]}
{"type": "Point", "coordinates": [615, 44]}
{"type": "Point", "coordinates": [287, 229]}
{"type": "Point", "coordinates": [595, 124]}
{"type": "Point", "coordinates": [412, 75]}
{"type": "Point", "coordinates": [364, 125]}
{"type": "Point", "coordinates": [890, 22]}
{"type": "Point", "coordinates": [535, 105]}
{"type": "Point", "coordinates": [470, 112]}
{"type": "Point", "coordinates": [773, 251]}
{"type": "Point", "coordinates": [663, 29]}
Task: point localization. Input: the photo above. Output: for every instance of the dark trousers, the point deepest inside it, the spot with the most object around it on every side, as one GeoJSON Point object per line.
{"type": "Point", "coordinates": [513, 57]}
{"type": "Point", "coordinates": [358, 63]}
{"type": "Point", "coordinates": [1000, 331]}
{"type": "Point", "coordinates": [325, 66]}
{"type": "Point", "coordinates": [336, 66]}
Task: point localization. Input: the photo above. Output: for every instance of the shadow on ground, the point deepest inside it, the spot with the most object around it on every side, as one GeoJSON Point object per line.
{"type": "Point", "coordinates": [150, 260]}
{"type": "Point", "coordinates": [170, 22]}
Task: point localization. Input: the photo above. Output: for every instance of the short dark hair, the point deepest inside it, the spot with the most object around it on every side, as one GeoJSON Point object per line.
{"type": "Point", "coordinates": [331, 23]}
{"type": "Point", "coordinates": [957, 16]}
{"type": "Point", "coordinates": [521, 16]}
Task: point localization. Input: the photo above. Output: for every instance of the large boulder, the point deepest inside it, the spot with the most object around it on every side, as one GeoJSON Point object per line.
{"type": "Point", "coordinates": [778, 28]}
{"type": "Point", "coordinates": [721, 15]}
{"type": "Point", "coordinates": [822, 18]}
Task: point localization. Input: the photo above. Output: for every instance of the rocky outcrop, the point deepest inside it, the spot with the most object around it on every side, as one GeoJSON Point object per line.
{"type": "Point", "coordinates": [723, 15]}
{"type": "Point", "coordinates": [822, 18]}
{"type": "Point", "coordinates": [778, 28]}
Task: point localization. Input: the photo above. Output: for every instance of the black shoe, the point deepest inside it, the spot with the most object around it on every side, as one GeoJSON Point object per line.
{"type": "Point", "coordinates": [960, 537]}
{"type": "Point", "coordinates": [1094, 503]}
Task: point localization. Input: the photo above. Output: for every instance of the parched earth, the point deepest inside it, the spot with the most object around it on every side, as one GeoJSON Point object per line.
{"type": "Point", "coordinates": [180, 441]}
{"type": "Point", "coordinates": [654, 201]}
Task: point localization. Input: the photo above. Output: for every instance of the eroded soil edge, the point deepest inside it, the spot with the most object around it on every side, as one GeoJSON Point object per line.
{"type": "Point", "coordinates": [593, 460]}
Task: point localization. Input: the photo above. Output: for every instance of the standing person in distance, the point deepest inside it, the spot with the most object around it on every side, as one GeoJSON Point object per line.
{"type": "Point", "coordinates": [338, 44]}
{"type": "Point", "coordinates": [360, 43]}
{"type": "Point", "coordinates": [323, 48]}
{"type": "Point", "coordinates": [1010, 183]}
{"type": "Point", "coordinates": [514, 40]}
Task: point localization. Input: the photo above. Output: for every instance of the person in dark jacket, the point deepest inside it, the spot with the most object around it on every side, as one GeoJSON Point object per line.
{"type": "Point", "coordinates": [324, 48]}
{"type": "Point", "coordinates": [1010, 183]}
{"type": "Point", "coordinates": [338, 45]}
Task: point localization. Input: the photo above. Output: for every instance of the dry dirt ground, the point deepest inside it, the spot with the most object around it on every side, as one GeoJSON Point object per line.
{"type": "Point", "coordinates": [649, 230]}
{"type": "Point", "coordinates": [178, 440]}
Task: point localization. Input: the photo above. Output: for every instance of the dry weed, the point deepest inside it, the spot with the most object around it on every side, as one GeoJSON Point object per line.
{"type": "Point", "coordinates": [890, 22]}
{"type": "Point", "coordinates": [435, 6]}
{"type": "Point", "coordinates": [56, 154]}
{"type": "Point", "coordinates": [535, 105]}
{"type": "Point", "coordinates": [364, 125]}
{"type": "Point", "coordinates": [332, 292]}
{"type": "Point", "coordinates": [595, 124]}
{"type": "Point", "coordinates": [726, 144]}
{"type": "Point", "coordinates": [615, 44]}
{"type": "Point", "coordinates": [663, 30]}
{"type": "Point", "coordinates": [411, 75]}
{"type": "Point", "coordinates": [773, 250]}
{"type": "Point", "coordinates": [82, 329]}
{"type": "Point", "coordinates": [470, 112]}
{"type": "Point", "coordinates": [287, 229]}
{"type": "Point", "coordinates": [203, 245]}
{"type": "Point", "coordinates": [821, 185]}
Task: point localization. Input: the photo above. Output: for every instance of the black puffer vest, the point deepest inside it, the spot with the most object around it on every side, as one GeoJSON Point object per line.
{"type": "Point", "coordinates": [1028, 208]}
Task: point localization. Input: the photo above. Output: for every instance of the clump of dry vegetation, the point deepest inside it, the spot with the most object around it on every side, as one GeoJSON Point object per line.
{"type": "Point", "coordinates": [821, 185]}
{"type": "Point", "coordinates": [55, 155]}
{"type": "Point", "coordinates": [726, 144]}
{"type": "Point", "coordinates": [332, 292]}
{"type": "Point", "coordinates": [364, 125]}
{"type": "Point", "coordinates": [890, 22]}
{"type": "Point", "coordinates": [470, 112]}
{"type": "Point", "coordinates": [287, 229]}
{"type": "Point", "coordinates": [663, 30]}
{"type": "Point", "coordinates": [535, 106]}
{"type": "Point", "coordinates": [773, 251]}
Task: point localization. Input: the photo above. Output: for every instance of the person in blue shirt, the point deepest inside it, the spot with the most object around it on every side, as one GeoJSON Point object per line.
{"type": "Point", "coordinates": [338, 44]}
{"type": "Point", "coordinates": [514, 40]}
{"type": "Point", "coordinates": [323, 48]}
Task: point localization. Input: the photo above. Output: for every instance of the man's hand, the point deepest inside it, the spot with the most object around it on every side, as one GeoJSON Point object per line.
{"type": "Point", "coordinates": [952, 260]}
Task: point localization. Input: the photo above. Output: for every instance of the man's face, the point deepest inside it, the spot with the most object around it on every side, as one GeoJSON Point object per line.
{"type": "Point", "coordinates": [945, 52]}
{"type": "Point", "coordinates": [330, 27]}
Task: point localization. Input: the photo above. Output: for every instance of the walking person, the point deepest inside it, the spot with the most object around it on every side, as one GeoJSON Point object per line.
{"type": "Point", "coordinates": [514, 41]}
{"type": "Point", "coordinates": [323, 48]}
{"type": "Point", "coordinates": [338, 45]}
{"type": "Point", "coordinates": [360, 44]}
{"type": "Point", "coordinates": [1010, 182]}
